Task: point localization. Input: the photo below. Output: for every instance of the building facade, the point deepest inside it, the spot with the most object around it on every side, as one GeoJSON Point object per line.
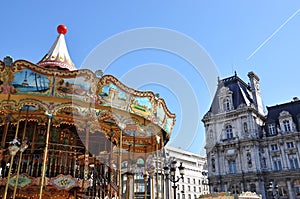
{"type": "Point", "coordinates": [195, 181]}
{"type": "Point", "coordinates": [248, 150]}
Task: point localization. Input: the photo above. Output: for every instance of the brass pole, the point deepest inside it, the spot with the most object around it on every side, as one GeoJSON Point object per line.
{"type": "Point", "coordinates": [21, 155]}
{"type": "Point", "coordinates": [120, 165]}
{"type": "Point", "coordinates": [33, 138]}
{"type": "Point", "coordinates": [50, 116]}
{"type": "Point", "coordinates": [86, 156]}
{"type": "Point", "coordinates": [145, 175]}
{"type": "Point", "coordinates": [161, 169]}
{"type": "Point", "coordinates": [110, 170]}
{"type": "Point", "coordinates": [129, 166]}
{"type": "Point", "coordinates": [157, 185]}
{"type": "Point", "coordinates": [152, 184]}
{"type": "Point", "coordinates": [5, 131]}
{"type": "Point", "coordinates": [12, 158]}
{"type": "Point", "coordinates": [8, 177]}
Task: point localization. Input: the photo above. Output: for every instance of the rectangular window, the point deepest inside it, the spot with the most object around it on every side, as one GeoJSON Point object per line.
{"type": "Point", "coordinates": [272, 129]}
{"type": "Point", "coordinates": [290, 145]}
{"type": "Point", "coordinates": [274, 147]}
{"type": "Point", "coordinates": [232, 166]}
{"type": "Point", "coordinates": [264, 163]}
{"type": "Point", "coordinates": [293, 159]}
{"type": "Point", "coordinates": [277, 163]}
{"type": "Point", "coordinates": [286, 125]}
{"type": "Point", "coordinates": [194, 181]}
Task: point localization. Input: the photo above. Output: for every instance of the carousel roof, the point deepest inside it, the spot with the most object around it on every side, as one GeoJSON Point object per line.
{"type": "Point", "coordinates": [58, 55]}
{"type": "Point", "coordinates": [100, 104]}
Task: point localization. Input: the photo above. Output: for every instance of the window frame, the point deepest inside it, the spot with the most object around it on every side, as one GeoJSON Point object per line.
{"type": "Point", "coordinates": [272, 129]}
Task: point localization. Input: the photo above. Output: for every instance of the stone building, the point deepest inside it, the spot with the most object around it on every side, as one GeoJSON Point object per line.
{"type": "Point", "coordinates": [195, 180]}
{"type": "Point", "coordinates": [248, 150]}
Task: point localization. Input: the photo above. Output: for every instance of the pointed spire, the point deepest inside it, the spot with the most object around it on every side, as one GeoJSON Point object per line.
{"type": "Point", "coordinates": [58, 55]}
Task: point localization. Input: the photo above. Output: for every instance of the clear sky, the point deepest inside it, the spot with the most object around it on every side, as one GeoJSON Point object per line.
{"type": "Point", "coordinates": [242, 36]}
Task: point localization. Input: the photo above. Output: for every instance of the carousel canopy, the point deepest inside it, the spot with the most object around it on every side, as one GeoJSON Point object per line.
{"type": "Point", "coordinates": [99, 105]}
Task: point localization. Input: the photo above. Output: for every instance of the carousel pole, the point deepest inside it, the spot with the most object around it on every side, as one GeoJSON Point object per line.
{"type": "Point", "coordinates": [152, 185]}
{"type": "Point", "coordinates": [86, 154]}
{"type": "Point", "coordinates": [128, 174]}
{"type": "Point", "coordinates": [110, 170]}
{"type": "Point", "coordinates": [161, 168]}
{"type": "Point", "coordinates": [12, 158]}
{"type": "Point", "coordinates": [50, 117]}
{"type": "Point", "coordinates": [157, 185]}
{"type": "Point", "coordinates": [145, 175]}
{"type": "Point", "coordinates": [120, 165]}
{"type": "Point", "coordinates": [21, 155]}
{"type": "Point", "coordinates": [8, 118]}
{"type": "Point", "coordinates": [86, 157]}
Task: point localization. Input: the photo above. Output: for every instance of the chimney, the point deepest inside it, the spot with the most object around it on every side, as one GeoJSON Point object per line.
{"type": "Point", "coordinates": [255, 89]}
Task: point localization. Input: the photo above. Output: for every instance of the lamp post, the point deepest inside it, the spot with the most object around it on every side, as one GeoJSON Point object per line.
{"type": "Point", "coordinates": [273, 190]}
{"type": "Point", "coordinates": [170, 174]}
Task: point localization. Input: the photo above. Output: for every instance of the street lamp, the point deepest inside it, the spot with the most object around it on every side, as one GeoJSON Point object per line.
{"type": "Point", "coordinates": [170, 174]}
{"type": "Point", "coordinates": [273, 188]}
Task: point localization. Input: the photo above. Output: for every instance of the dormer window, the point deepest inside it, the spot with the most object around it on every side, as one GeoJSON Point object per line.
{"type": "Point", "coordinates": [272, 129]}
{"type": "Point", "coordinates": [226, 104]}
{"type": "Point", "coordinates": [286, 121]}
{"type": "Point", "coordinates": [286, 125]}
{"type": "Point", "coordinates": [225, 99]}
{"type": "Point", "coordinates": [229, 133]}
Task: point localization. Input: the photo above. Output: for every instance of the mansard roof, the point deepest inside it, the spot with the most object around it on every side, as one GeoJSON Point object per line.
{"type": "Point", "coordinates": [241, 93]}
{"type": "Point", "coordinates": [292, 107]}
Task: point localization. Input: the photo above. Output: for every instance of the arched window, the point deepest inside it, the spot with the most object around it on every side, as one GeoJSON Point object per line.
{"type": "Point", "coordinates": [213, 165]}
{"type": "Point", "coordinates": [249, 161]}
{"type": "Point", "coordinates": [245, 127]}
{"type": "Point", "coordinates": [226, 104]}
{"type": "Point", "coordinates": [229, 133]}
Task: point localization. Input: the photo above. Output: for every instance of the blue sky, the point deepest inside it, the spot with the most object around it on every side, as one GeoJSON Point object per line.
{"type": "Point", "coordinates": [229, 31]}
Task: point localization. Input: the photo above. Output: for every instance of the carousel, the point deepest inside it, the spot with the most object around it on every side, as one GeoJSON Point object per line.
{"type": "Point", "coordinates": [68, 133]}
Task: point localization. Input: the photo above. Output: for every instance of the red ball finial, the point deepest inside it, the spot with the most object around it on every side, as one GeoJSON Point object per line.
{"type": "Point", "coordinates": [62, 29]}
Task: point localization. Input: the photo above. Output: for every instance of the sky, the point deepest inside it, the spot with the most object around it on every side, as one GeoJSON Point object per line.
{"type": "Point", "coordinates": [174, 48]}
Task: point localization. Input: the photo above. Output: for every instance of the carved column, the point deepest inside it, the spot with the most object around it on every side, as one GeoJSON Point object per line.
{"type": "Point", "coordinates": [290, 188]}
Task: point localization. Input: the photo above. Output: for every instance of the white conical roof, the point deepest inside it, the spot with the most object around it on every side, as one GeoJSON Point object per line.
{"type": "Point", "coordinates": [58, 55]}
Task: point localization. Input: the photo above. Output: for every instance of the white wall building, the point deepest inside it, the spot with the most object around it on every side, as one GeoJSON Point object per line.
{"type": "Point", "coordinates": [195, 181]}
